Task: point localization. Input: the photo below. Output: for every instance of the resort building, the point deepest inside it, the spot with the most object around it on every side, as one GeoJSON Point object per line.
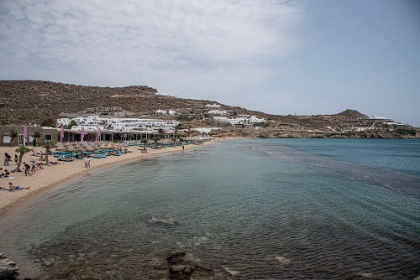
{"type": "Point", "coordinates": [240, 122]}
{"type": "Point", "coordinates": [218, 112]}
{"type": "Point", "coordinates": [116, 128]}
{"type": "Point", "coordinates": [214, 105]}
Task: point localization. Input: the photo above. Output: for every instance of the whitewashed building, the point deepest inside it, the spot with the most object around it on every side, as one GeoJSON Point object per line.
{"type": "Point", "coordinates": [214, 105]}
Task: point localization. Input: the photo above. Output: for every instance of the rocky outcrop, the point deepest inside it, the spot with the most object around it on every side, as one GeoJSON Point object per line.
{"type": "Point", "coordinates": [8, 268]}
{"type": "Point", "coordinates": [183, 268]}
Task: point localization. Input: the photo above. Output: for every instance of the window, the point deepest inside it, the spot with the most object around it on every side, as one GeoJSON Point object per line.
{"type": "Point", "coordinates": [48, 137]}
{"type": "Point", "coordinates": [6, 139]}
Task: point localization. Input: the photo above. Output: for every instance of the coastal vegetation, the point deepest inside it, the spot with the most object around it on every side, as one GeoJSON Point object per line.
{"type": "Point", "coordinates": [21, 150]}
{"type": "Point", "coordinates": [48, 145]}
{"type": "Point", "coordinates": [13, 134]}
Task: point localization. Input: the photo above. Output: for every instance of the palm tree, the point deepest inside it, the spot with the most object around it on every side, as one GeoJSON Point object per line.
{"type": "Point", "coordinates": [144, 141]}
{"type": "Point", "coordinates": [21, 151]}
{"type": "Point", "coordinates": [130, 136]}
{"type": "Point", "coordinates": [13, 135]}
{"type": "Point", "coordinates": [161, 133]}
{"type": "Point", "coordinates": [48, 145]}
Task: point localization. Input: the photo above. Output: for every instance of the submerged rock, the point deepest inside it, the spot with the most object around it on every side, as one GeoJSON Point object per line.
{"type": "Point", "coordinates": [181, 268]}
{"type": "Point", "coordinates": [163, 220]}
{"type": "Point", "coordinates": [8, 268]}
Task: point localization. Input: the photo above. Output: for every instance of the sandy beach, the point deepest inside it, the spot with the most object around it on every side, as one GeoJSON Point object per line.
{"type": "Point", "coordinates": [54, 175]}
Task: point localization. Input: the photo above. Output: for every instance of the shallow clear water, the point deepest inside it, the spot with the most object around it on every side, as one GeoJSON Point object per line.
{"type": "Point", "coordinates": [251, 209]}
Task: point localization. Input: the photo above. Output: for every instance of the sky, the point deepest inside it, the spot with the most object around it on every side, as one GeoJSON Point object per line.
{"type": "Point", "coordinates": [279, 57]}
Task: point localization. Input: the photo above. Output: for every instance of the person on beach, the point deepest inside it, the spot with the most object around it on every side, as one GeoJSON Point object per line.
{"type": "Point", "coordinates": [33, 167]}
{"type": "Point", "coordinates": [13, 188]}
{"type": "Point", "coordinates": [16, 158]}
{"type": "Point", "coordinates": [27, 169]}
{"type": "Point", "coordinates": [6, 174]}
{"type": "Point", "coordinates": [88, 161]}
{"type": "Point", "coordinates": [85, 159]}
{"type": "Point", "coordinates": [7, 158]}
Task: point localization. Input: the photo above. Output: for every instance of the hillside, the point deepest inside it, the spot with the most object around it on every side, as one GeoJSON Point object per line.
{"type": "Point", "coordinates": [25, 102]}
{"type": "Point", "coordinates": [33, 101]}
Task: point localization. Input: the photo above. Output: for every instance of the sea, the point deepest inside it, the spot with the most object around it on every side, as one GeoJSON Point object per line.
{"type": "Point", "coordinates": [249, 209]}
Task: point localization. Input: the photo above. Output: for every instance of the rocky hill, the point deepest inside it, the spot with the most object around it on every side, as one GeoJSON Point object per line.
{"type": "Point", "coordinates": [31, 102]}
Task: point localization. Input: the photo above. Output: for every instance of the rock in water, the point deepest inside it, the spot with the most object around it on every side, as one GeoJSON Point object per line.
{"type": "Point", "coordinates": [8, 268]}
{"type": "Point", "coordinates": [163, 220]}
{"type": "Point", "coordinates": [181, 268]}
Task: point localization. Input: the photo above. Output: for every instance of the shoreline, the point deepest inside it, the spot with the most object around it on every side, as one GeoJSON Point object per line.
{"type": "Point", "coordinates": [54, 176]}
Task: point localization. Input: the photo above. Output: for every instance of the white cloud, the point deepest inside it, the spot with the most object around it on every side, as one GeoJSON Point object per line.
{"type": "Point", "coordinates": [143, 42]}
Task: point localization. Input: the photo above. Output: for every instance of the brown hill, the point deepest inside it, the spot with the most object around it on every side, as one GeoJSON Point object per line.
{"type": "Point", "coordinates": [30, 102]}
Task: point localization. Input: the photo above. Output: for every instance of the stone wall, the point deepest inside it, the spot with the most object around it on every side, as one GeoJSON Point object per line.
{"type": "Point", "coordinates": [49, 132]}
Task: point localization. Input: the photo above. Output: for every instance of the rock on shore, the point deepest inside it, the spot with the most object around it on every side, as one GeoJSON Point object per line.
{"type": "Point", "coordinates": [8, 268]}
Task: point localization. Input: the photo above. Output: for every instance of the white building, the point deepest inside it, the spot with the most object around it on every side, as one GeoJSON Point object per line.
{"type": "Point", "coordinates": [214, 105]}
{"type": "Point", "coordinates": [63, 121]}
{"type": "Point", "coordinates": [255, 120]}
{"type": "Point", "coordinates": [218, 112]}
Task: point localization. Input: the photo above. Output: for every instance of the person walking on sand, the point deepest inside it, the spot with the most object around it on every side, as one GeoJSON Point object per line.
{"type": "Point", "coordinates": [88, 162]}
{"type": "Point", "coordinates": [33, 167]}
{"type": "Point", "coordinates": [27, 169]}
{"type": "Point", "coordinates": [7, 158]}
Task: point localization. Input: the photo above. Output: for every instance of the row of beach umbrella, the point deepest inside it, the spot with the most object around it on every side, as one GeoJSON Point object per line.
{"type": "Point", "coordinates": [86, 146]}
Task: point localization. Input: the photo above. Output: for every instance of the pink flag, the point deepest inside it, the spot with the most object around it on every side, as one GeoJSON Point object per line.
{"type": "Point", "coordinates": [99, 133]}
{"type": "Point", "coordinates": [25, 132]}
{"type": "Point", "coordinates": [82, 134]}
{"type": "Point", "coordinates": [62, 133]}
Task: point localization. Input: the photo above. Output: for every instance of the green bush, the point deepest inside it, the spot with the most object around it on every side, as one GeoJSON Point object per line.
{"type": "Point", "coordinates": [411, 132]}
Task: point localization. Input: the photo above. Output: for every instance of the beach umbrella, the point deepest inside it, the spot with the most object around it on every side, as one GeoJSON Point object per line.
{"type": "Point", "coordinates": [59, 147]}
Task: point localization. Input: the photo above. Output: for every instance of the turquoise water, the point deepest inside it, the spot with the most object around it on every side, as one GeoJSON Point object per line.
{"type": "Point", "coordinates": [250, 209]}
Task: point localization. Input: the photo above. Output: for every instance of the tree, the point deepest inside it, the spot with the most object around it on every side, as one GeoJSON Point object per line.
{"type": "Point", "coordinates": [13, 135]}
{"type": "Point", "coordinates": [21, 151]}
{"type": "Point", "coordinates": [161, 133]}
{"type": "Point", "coordinates": [48, 122]}
{"type": "Point", "coordinates": [92, 136]}
{"type": "Point", "coordinates": [144, 142]}
{"type": "Point", "coordinates": [36, 135]}
{"type": "Point", "coordinates": [71, 124]}
{"type": "Point", "coordinates": [48, 145]}
{"type": "Point", "coordinates": [130, 136]}
{"type": "Point", "coordinates": [156, 139]}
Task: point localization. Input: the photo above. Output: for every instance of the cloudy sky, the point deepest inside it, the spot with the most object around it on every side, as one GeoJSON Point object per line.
{"type": "Point", "coordinates": [280, 57]}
